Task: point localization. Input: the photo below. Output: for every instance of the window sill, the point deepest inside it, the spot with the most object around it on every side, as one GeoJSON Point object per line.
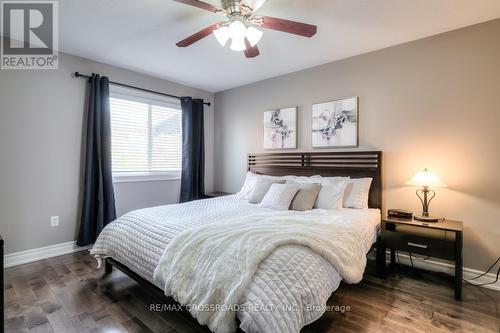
{"type": "Point", "coordinates": [133, 178]}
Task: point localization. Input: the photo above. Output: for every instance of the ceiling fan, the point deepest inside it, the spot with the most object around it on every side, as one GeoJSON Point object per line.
{"type": "Point", "coordinates": [241, 26]}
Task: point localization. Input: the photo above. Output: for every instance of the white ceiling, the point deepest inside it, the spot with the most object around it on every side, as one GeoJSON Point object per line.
{"type": "Point", "coordinates": [141, 35]}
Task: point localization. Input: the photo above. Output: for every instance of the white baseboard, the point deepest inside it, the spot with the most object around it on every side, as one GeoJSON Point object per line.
{"type": "Point", "coordinates": [443, 267]}
{"type": "Point", "coordinates": [24, 257]}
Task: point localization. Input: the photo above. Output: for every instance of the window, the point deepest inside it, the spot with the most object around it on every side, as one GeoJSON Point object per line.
{"type": "Point", "coordinates": [146, 138]}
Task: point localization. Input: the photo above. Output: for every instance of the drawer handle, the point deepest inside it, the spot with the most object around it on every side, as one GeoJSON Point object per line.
{"type": "Point", "coordinates": [422, 246]}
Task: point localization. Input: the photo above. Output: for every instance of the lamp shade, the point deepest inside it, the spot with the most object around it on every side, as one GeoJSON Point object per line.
{"type": "Point", "coordinates": [254, 36]}
{"type": "Point", "coordinates": [426, 178]}
{"type": "Point", "coordinates": [238, 44]}
{"type": "Point", "coordinates": [237, 30]}
{"type": "Point", "coordinates": [222, 35]}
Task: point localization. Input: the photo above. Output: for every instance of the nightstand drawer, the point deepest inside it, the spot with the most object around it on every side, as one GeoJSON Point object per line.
{"type": "Point", "coordinates": [429, 246]}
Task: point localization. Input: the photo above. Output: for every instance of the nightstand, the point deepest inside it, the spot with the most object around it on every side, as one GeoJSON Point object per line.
{"type": "Point", "coordinates": [217, 194]}
{"type": "Point", "coordinates": [441, 240]}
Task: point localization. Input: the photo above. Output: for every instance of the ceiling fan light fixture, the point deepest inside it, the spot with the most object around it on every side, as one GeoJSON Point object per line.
{"type": "Point", "coordinates": [254, 35]}
{"type": "Point", "coordinates": [238, 44]}
{"type": "Point", "coordinates": [241, 27]}
{"type": "Point", "coordinates": [222, 35]}
{"type": "Point", "coordinates": [237, 31]}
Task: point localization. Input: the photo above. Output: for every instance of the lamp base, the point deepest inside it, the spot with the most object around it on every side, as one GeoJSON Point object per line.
{"type": "Point", "coordinates": [426, 218]}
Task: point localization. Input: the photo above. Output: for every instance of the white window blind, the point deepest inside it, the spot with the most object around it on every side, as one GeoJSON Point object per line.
{"type": "Point", "coordinates": [146, 138]}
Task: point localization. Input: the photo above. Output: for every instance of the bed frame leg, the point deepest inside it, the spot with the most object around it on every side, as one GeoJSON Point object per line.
{"type": "Point", "coordinates": [108, 268]}
{"type": "Point", "coordinates": [380, 258]}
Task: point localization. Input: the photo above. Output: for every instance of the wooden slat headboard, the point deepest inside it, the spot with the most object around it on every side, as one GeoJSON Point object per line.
{"type": "Point", "coordinates": [356, 164]}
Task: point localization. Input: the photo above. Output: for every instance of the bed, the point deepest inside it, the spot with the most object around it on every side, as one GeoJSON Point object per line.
{"type": "Point", "coordinates": [291, 286]}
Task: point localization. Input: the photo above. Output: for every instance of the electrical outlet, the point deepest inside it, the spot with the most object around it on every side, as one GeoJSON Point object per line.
{"type": "Point", "coordinates": [54, 221]}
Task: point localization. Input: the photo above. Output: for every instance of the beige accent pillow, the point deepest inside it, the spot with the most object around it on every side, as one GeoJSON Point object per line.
{"type": "Point", "coordinates": [305, 197]}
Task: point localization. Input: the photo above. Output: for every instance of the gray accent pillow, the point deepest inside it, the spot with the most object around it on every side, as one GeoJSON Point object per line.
{"type": "Point", "coordinates": [305, 197]}
{"type": "Point", "coordinates": [260, 189]}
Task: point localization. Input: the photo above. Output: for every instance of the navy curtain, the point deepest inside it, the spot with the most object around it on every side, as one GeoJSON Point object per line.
{"type": "Point", "coordinates": [98, 208]}
{"type": "Point", "coordinates": [193, 150]}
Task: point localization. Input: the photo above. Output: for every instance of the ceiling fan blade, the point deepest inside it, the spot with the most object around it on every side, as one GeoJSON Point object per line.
{"type": "Point", "coordinates": [197, 36]}
{"type": "Point", "coordinates": [257, 4]}
{"type": "Point", "coordinates": [200, 4]}
{"type": "Point", "coordinates": [297, 28]}
{"type": "Point", "coordinates": [251, 51]}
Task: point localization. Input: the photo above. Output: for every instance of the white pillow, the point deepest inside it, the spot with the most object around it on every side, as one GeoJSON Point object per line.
{"type": "Point", "coordinates": [279, 196]}
{"type": "Point", "coordinates": [303, 179]}
{"type": "Point", "coordinates": [319, 179]}
{"type": "Point", "coordinates": [247, 187]}
{"type": "Point", "coordinates": [261, 187]}
{"type": "Point", "coordinates": [356, 193]}
{"type": "Point", "coordinates": [331, 195]}
{"type": "Point", "coordinates": [330, 179]}
{"type": "Point", "coordinates": [251, 178]}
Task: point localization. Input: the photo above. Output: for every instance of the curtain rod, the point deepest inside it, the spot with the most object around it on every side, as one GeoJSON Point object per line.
{"type": "Point", "coordinates": [77, 74]}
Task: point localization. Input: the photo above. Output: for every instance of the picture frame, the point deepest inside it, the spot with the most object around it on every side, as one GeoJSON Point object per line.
{"type": "Point", "coordinates": [280, 128]}
{"type": "Point", "coordinates": [335, 124]}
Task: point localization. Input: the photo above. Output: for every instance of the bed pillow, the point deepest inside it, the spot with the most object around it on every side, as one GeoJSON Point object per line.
{"type": "Point", "coordinates": [328, 179]}
{"type": "Point", "coordinates": [248, 185]}
{"type": "Point", "coordinates": [320, 180]}
{"type": "Point", "coordinates": [331, 194]}
{"type": "Point", "coordinates": [251, 178]}
{"type": "Point", "coordinates": [306, 196]}
{"type": "Point", "coordinates": [356, 193]}
{"type": "Point", "coordinates": [260, 188]}
{"type": "Point", "coordinates": [279, 196]}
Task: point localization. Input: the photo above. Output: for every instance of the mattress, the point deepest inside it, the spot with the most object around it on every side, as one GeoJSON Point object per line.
{"type": "Point", "coordinates": [291, 286]}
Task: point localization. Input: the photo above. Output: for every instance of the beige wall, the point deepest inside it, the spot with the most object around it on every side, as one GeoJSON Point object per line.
{"type": "Point", "coordinates": [41, 126]}
{"type": "Point", "coordinates": [430, 103]}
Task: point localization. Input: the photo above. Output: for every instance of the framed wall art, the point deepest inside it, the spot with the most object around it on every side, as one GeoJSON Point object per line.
{"type": "Point", "coordinates": [335, 123]}
{"type": "Point", "coordinates": [280, 128]}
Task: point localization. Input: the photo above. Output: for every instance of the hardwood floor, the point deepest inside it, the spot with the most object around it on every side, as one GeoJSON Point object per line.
{"type": "Point", "coordinates": [67, 294]}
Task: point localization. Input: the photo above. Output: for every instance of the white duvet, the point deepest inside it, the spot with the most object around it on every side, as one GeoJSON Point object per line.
{"type": "Point", "coordinates": [213, 264]}
{"type": "Point", "coordinates": [290, 287]}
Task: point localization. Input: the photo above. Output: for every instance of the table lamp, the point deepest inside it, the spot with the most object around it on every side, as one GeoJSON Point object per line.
{"type": "Point", "coordinates": [426, 179]}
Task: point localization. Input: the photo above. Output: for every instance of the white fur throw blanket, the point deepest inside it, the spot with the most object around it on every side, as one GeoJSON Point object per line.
{"type": "Point", "coordinates": [208, 268]}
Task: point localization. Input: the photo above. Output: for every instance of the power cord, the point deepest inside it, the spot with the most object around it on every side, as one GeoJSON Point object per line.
{"type": "Point", "coordinates": [419, 258]}
{"type": "Point", "coordinates": [468, 281]}
{"type": "Point", "coordinates": [483, 274]}
{"type": "Point", "coordinates": [402, 267]}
